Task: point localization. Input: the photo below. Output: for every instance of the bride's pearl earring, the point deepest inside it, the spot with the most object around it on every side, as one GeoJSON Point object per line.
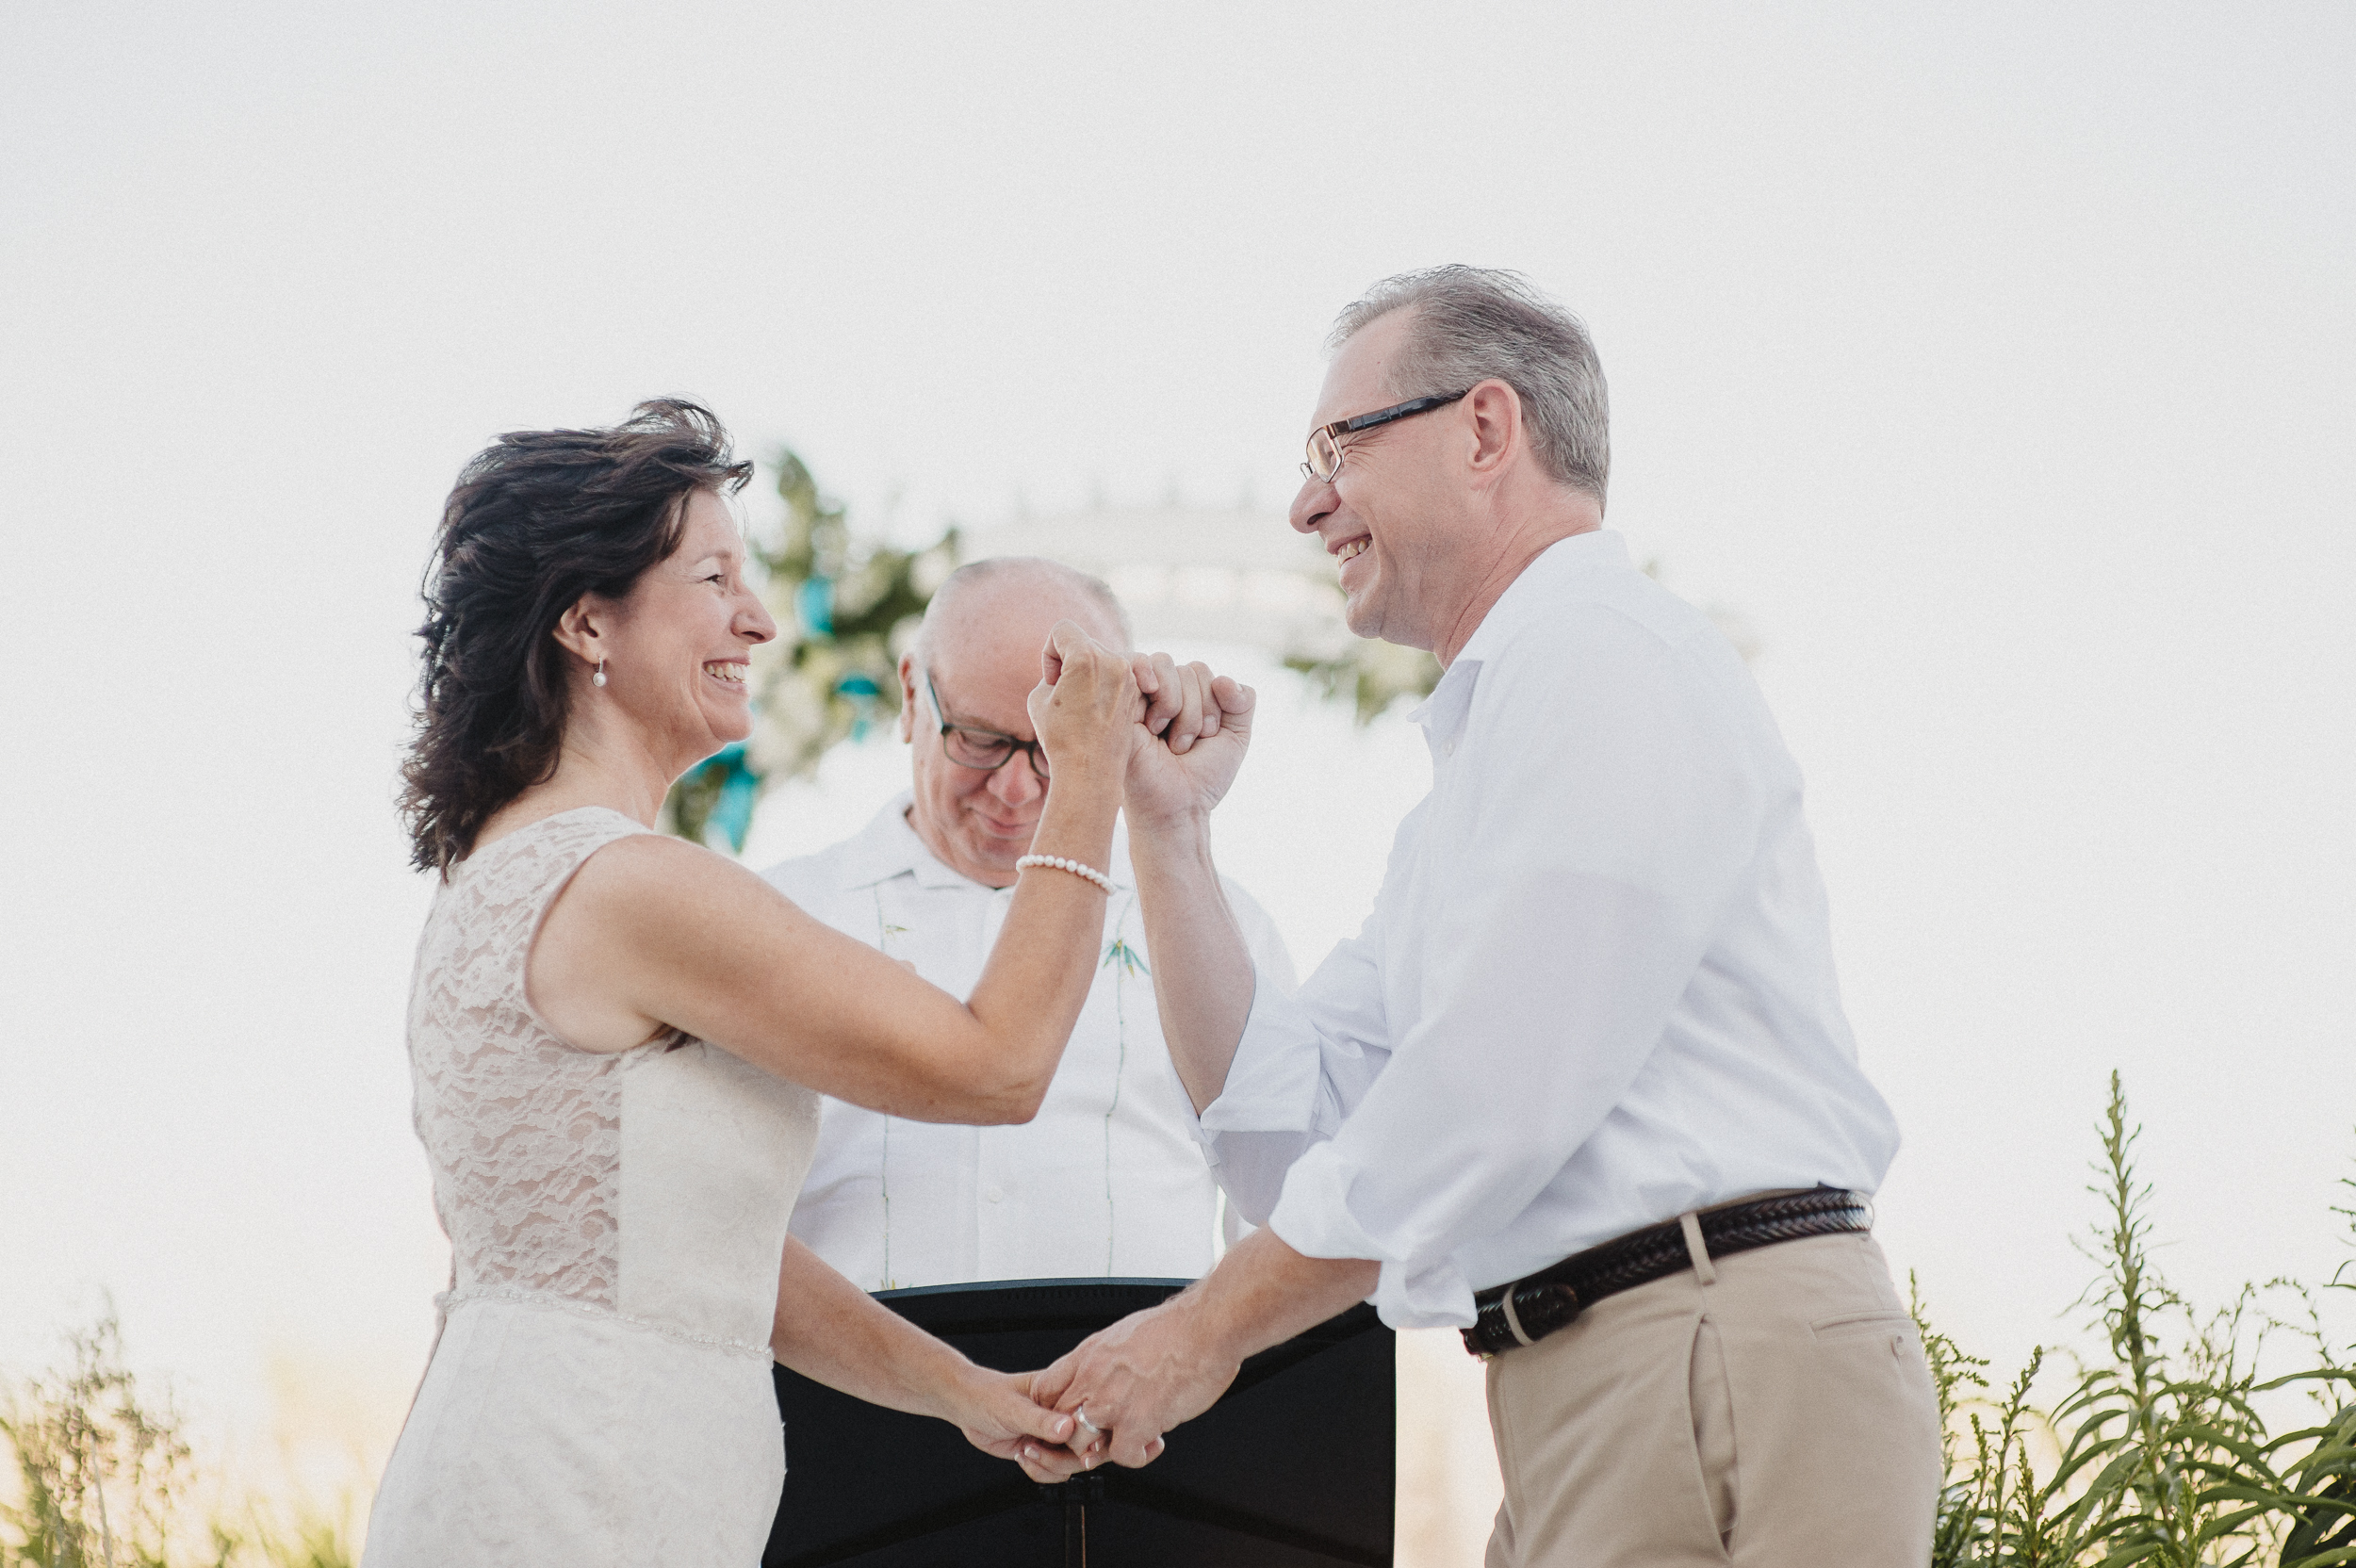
{"type": "Point", "coordinates": [598, 678]}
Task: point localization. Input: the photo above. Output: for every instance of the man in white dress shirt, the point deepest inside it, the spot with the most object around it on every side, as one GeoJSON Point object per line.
{"type": "Point", "coordinates": [1582, 1087]}
{"type": "Point", "coordinates": [1108, 1178]}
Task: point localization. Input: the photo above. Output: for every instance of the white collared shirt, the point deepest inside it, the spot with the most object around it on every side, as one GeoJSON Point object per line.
{"type": "Point", "coordinates": [1108, 1178]}
{"type": "Point", "coordinates": [1597, 990]}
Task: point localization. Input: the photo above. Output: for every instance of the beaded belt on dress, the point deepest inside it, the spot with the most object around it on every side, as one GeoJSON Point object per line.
{"type": "Point", "coordinates": [550, 1300]}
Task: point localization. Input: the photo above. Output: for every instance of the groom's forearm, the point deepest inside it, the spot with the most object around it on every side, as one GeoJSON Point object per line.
{"type": "Point", "coordinates": [1264, 1292]}
{"type": "Point", "coordinates": [1202, 975]}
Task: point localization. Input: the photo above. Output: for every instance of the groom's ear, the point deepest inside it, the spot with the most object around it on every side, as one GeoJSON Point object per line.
{"type": "Point", "coordinates": [908, 698]}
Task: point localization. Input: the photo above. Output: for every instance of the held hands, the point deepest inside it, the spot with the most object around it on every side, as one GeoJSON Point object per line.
{"type": "Point", "coordinates": [1093, 703]}
{"type": "Point", "coordinates": [1132, 1382]}
{"type": "Point", "coordinates": [1087, 706]}
{"type": "Point", "coordinates": [999, 1415]}
{"type": "Point", "coordinates": [1204, 723]}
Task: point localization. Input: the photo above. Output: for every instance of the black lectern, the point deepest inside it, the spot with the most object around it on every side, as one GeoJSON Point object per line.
{"type": "Point", "coordinates": [1293, 1468]}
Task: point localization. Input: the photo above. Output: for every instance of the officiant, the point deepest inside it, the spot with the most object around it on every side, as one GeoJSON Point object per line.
{"type": "Point", "coordinates": [1108, 1179]}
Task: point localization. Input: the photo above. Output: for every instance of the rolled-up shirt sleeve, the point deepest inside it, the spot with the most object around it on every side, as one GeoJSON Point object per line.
{"type": "Point", "coordinates": [1575, 855]}
{"type": "Point", "coordinates": [1306, 1058]}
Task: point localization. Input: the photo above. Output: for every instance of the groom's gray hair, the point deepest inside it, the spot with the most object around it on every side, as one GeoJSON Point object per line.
{"type": "Point", "coordinates": [1476, 323]}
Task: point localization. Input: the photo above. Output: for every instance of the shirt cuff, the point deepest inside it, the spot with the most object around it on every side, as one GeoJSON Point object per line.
{"type": "Point", "coordinates": [1312, 1218]}
{"type": "Point", "coordinates": [1437, 1296]}
{"type": "Point", "coordinates": [1272, 1081]}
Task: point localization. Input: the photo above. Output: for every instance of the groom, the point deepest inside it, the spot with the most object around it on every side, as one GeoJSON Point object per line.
{"type": "Point", "coordinates": [1582, 1087]}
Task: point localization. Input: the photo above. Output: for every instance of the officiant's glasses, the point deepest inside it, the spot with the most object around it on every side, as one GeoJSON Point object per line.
{"type": "Point", "coordinates": [1325, 442]}
{"type": "Point", "coordinates": [985, 749]}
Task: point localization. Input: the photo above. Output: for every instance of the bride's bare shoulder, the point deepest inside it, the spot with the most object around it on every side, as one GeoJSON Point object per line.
{"type": "Point", "coordinates": [647, 878]}
{"type": "Point", "coordinates": [624, 921]}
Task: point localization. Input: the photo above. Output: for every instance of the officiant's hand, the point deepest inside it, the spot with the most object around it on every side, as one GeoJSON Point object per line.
{"type": "Point", "coordinates": [1136, 1380]}
{"type": "Point", "coordinates": [1204, 724]}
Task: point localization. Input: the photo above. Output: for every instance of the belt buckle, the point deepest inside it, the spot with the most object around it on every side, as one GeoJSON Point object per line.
{"type": "Point", "coordinates": [1555, 1305]}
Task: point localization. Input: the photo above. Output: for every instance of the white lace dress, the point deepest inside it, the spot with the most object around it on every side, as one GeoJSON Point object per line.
{"type": "Point", "coordinates": [600, 1392]}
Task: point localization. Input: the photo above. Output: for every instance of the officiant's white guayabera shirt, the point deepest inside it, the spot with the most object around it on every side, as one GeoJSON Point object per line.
{"type": "Point", "coordinates": [1597, 990]}
{"type": "Point", "coordinates": [1108, 1178]}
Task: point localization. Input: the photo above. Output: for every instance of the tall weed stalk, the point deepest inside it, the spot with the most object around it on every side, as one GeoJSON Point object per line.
{"type": "Point", "coordinates": [100, 1471]}
{"type": "Point", "coordinates": [2155, 1452]}
{"type": "Point", "coordinates": [2164, 1442]}
{"type": "Point", "coordinates": [104, 1476]}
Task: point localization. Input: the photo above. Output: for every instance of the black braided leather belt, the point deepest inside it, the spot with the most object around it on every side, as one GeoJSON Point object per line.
{"type": "Point", "coordinates": [1552, 1298]}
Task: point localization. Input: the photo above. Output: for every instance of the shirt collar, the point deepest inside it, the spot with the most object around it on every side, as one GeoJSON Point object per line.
{"type": "Point", "coordinates": [1536, 593]}
{"type": "Point", "coordinates": [889, 847]}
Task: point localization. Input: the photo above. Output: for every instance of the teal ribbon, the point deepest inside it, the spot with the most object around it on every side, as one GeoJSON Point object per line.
{"type": "Point", "coordinates": [740, 787]}
{"type": "Point", "coordinates": [814, 603]}
{"type": "Point", "coordinates": [863, 693]}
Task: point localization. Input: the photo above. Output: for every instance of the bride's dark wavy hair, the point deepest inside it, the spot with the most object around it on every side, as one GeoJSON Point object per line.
{"type": "Point", "coordinates": [539, 518]}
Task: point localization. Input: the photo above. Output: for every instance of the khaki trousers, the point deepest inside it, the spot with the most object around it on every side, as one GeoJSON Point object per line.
{"type": "Point", "coordinates": [1770, 1409]}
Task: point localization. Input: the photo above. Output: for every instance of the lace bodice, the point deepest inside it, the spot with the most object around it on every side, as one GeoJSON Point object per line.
{"type": "Point", "coordinates": [652, 1182]}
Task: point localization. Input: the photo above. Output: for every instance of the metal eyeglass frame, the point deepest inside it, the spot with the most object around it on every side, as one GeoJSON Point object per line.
{"type": "Point", "coordinates": [1334, 433]}
{"type": "Point", "coordinates": [1038, 751]}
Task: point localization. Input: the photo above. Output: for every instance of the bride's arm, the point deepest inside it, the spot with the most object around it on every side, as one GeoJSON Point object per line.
{"type": "Point", "coordinates": [831, 1331]}
{"type": "Point", "coordinates": [654, 933]}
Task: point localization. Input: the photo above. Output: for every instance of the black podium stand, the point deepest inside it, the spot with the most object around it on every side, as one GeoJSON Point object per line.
{"type": "Point", "coordinates": [1293, 1468]}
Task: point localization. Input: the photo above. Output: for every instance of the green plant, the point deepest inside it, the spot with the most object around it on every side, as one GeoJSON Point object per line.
{"type": "Point", "coordinates": [105, 1476]}
{"type": "Point", "coordinates": [2171, 1450]}
{"type": "Point", "coordinates": [309, 1541]}
{"type": "Point", "coordinates": [2156, 1451]}
{"type": "Point", "coordinates": [2319, 1503]}
{"type": "Point", "coordinates": [101, 1472]}
{"type": "Point", "coordinates": [1371, 674]}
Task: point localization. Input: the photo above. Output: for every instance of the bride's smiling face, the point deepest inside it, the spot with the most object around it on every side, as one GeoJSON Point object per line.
{"type": "Point", "coordinates": [676, 648]}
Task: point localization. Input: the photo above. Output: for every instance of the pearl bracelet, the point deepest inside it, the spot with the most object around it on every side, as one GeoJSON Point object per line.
{"type": "Point", "coordinates": [1074, 867]}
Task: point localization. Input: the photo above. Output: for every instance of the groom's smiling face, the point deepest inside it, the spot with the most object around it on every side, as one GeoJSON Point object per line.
{"type": "Point", "coordinates": [1385, 517]}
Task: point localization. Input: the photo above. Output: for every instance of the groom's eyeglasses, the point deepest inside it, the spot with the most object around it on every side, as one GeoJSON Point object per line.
{"type": "Point", "coordinates": [1325, 442]}
{"type": "Point", "coordinates": [985, 749]}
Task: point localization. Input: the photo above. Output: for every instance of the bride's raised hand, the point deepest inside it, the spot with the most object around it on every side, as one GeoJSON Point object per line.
{"type": "Point", "coordinates": [1086, 708]}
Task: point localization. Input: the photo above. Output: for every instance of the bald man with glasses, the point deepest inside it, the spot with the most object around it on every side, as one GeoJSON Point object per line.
{"type": "Point", "coordinates": [1108, 1180]}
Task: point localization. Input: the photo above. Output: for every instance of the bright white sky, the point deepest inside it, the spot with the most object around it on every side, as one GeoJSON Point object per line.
{"type": "Point", "coordinates": [1993, 361]}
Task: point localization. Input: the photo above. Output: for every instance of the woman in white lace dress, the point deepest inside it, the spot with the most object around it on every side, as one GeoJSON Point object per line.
{"type": "Point", "coordinates": [619, 1039]}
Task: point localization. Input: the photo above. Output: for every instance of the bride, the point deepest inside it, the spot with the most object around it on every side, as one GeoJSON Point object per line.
{"type": "Point", "coordinates": [619, 1039]}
